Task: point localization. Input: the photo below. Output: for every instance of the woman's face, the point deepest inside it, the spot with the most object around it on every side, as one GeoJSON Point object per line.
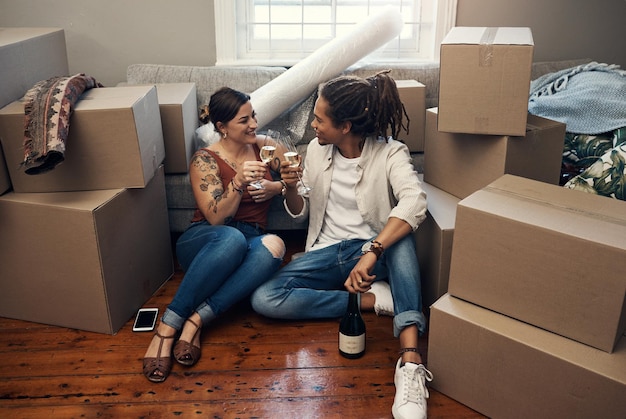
{"type": "Point", "coordinates": [327, 132]}
{"type": "Point", "coordinates": [242, 128]}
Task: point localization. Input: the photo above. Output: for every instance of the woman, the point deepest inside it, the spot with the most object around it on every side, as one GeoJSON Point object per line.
{"type": "Point", "coordinates": [365, 202]}
{"type": "Point", "coordinates": [225, 252]}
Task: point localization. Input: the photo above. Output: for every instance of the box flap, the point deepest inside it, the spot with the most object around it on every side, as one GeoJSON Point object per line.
{"type": "Point", "coordinates": [554, 207]}
{"type": "Point", "coordinates": [83, 201]}
{"type": "Point", "coordinates": [585, 356]}
{"type": "Point", "coordinates": [489, 36]}
{"type": "Point", "coordinates": [10, 36]}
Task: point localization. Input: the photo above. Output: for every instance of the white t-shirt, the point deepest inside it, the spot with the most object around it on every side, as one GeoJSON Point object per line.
{"type": "Point", "coordinates": [342, 220]}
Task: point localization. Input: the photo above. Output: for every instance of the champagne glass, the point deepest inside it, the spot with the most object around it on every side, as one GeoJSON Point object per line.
{"type": "Point", "coordinates": [267, 151]}
{"type": "Point", "coordinates": [295, 159]}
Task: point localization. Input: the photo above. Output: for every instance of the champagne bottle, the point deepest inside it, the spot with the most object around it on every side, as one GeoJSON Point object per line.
{"type": "Point", "coordinates": [352, 330]}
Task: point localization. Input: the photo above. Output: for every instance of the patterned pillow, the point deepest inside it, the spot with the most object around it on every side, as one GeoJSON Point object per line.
{"type": "Point", "coordinates": [607, 175]}
{"type": "Point", "coordinates": [581, 150]}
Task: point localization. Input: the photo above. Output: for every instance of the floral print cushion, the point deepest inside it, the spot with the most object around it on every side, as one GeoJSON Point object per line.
{"type": "Point", "coordinates": [606, 176]}
{"type": "Point", "coordinates": [580, 151]}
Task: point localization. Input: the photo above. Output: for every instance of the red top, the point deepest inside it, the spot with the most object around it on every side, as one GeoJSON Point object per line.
{"type": "Point", "coordinates": [248, 211]}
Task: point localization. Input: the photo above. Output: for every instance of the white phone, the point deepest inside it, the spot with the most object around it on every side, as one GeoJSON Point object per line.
{"type": "Point", "coordinates": [145, 320]}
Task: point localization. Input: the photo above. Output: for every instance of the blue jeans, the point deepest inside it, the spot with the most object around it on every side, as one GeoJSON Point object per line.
{"type": "Point", "coordinates": [223, 264]}
{"type": "Point", "coordinates": [311, 286]}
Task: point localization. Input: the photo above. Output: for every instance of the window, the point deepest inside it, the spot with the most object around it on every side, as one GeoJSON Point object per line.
{"type": "Point", "coordinates": [281, 32]}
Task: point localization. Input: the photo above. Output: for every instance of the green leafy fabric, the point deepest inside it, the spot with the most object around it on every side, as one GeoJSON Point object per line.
{"type": "Point", "coordinates": [606, 176]}
{"type": "Point", "coordinates": [581, 150]}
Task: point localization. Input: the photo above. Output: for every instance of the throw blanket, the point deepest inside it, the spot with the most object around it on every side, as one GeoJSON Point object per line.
{"type": "Point", "coordinates": [588, 99]}
{"type": "Point", "coordinates": [47, 110]}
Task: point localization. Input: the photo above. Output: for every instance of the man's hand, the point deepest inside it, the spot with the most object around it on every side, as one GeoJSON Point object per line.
{"type": "Point", "coordinates": [360, 279]}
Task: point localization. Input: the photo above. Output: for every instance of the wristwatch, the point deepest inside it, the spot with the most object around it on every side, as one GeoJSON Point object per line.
{"type": "Point", "coordinates": [283, 190]}
{"type": "Point", "coordinates": [373, 246]}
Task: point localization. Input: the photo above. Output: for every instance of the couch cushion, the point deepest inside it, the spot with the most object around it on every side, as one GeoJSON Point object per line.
{"type": "Point", "coordinates": [207, 79]}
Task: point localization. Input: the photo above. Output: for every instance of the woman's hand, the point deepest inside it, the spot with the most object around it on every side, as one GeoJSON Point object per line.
{"type": "Point", "coordinates": [251, 171]}
{"type": "Point", "coordinates": [270, 190]}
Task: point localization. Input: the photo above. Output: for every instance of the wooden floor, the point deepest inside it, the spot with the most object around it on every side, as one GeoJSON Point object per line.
{"type": "Point", "coordinates": [251, 367]}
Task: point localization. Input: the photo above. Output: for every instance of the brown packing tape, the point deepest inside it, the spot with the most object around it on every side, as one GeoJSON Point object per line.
{"type": "Point", "coordinates": [485, 49]}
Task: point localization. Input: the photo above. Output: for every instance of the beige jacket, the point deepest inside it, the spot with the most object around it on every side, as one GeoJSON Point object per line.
{"type": "Point", "coordinates": [388, 186]}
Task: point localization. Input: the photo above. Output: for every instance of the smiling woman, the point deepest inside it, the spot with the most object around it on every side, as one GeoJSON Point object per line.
{"type": "Point", "coordinates": [264, 32]}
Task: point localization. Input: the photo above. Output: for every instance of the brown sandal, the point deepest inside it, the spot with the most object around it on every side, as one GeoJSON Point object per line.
{"type": "Point", "coordinates": [186, 353]}
{"type": "Point", "coordinates": [153, 366]}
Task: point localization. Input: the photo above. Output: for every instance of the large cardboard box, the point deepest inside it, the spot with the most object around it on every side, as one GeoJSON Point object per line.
{"type": "Point", "coordinates": [484, 80]}
{"type": "Point", "coordinates": [86, 260]}
{"type": "Point", "coordinates": [461, 164]}
{"type": "Point", "coordinates": [27, 56]}
{"type": "Point", "coordinates": [546, 255]}
{"type": "Point", "coordinates": [5, 180]}
{"type": "Point", "coordinates": [434, 243]}
{"type": "Point", "coordinates": [505, 368]}
{"type": "Point", "coordinates": [179, 118]}
{"type": "Point", "coordinates": [115, 141]}
{"type": "Point", "coordinates": [413, 97]}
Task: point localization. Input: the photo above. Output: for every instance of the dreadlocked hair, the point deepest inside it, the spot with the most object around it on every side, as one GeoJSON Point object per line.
{"type": "Point", "coordinates": [372, 105]}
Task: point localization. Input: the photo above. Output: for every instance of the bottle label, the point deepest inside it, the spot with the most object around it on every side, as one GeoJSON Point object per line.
{"type": "Point", "coordinates": [351, 344]}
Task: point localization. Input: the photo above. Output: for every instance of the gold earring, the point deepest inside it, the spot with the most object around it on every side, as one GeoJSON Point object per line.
{"type": "Point", "coordinates": [224, 134]}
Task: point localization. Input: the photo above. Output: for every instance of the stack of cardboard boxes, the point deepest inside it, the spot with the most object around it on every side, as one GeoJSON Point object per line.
{"type": "Point", "coordinates": [87, 243]}
{"type": "Point", "coordinates": [533, 320]}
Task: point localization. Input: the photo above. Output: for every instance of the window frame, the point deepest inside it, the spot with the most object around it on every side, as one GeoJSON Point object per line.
{"type": "Point", "coordinates": [226, 39]}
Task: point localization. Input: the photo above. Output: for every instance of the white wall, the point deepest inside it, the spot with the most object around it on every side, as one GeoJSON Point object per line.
{"type": "Point", "coordinates": [104, 37]}
{"type": "Point", "coordinates": [562, 29]}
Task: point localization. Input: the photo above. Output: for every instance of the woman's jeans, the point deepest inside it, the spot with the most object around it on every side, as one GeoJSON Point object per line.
{"type": "Point", "coordinates": [312, 286]}
{"type": "Point", "coordinates": [223, 265]}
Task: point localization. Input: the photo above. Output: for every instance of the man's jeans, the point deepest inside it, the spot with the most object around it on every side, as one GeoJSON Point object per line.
{"type": "Point", "coordinates": [311, 286]}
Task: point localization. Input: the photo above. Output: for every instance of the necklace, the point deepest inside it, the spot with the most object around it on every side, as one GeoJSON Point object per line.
{"type": "Point", "coordinates": [234, 163]}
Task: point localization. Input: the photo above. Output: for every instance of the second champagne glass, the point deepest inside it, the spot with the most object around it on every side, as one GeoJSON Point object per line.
{"type": "Point", "coordinates": [294, 159]}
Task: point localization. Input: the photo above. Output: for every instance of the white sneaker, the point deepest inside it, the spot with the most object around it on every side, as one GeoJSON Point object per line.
{"type": "Point", "coordinates": [383, 306]}
{"type": "Point", "coordinates": [411, 391]}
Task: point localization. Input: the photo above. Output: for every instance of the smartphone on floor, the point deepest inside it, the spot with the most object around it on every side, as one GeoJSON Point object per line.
{"type": "Point", "coordinates": [145, 319]}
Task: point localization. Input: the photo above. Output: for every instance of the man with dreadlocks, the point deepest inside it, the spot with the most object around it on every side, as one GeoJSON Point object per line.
{"type": "Point", "coordinates": [366, 200]}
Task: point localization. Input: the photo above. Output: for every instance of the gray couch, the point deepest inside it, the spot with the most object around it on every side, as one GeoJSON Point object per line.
{"type": "Point", "coordinates": [295, 121]}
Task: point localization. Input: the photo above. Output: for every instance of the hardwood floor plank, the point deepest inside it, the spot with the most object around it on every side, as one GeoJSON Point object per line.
{"type": "Point", "coordinates": [193, 385]}
{"type": "Point", "coordinates": [350, 407]}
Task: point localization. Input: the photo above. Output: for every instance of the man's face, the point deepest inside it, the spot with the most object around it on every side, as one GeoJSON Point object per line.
{"type": "Point", "coordinates": [327, 132]}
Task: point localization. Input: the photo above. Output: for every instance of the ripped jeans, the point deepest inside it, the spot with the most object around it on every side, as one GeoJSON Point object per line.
{"type": "Point", "coordinates": [223, 264]}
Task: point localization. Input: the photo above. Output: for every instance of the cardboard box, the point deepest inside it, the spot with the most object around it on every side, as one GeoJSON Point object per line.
{"type": "Point", "coordinates": [179, 118]}
{"type": "Point", "coordinates": [115, 141]}
{"type": "Point", "coordinates": [434, 243]}
{"type": "Point", "coordinates": [545, 255]}
{"type": "Point", "coordinates": [5, 180]}
{"type": "Point", "coordinates": [484, 80]}
{"type": "Point", "coordinates": [86, 260]}
{"type": "Point", "coordinates": [461, 164]}
{"type": "Point", "coordinates": [505, 368]}
{"type": "Point", "coordinates": [413, 96]}
{"type": "Point", "coordinates": [27, 56]}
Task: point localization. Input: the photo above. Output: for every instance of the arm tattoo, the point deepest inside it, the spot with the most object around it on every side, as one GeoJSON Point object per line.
{"type": "Point", "coordinates": [210, 182]}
